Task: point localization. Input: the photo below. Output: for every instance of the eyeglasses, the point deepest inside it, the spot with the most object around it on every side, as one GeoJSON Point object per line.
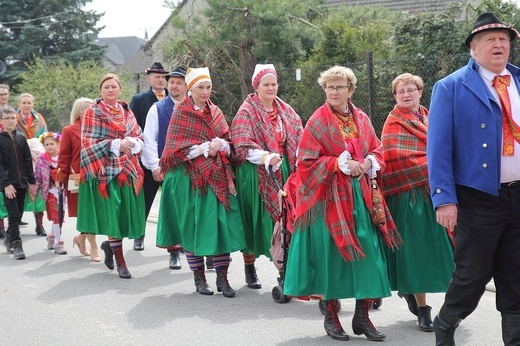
{"type": "Point", "coordinates": [9, 118]}
{"type": "Point", "coordinates": [338, 88]}
{"type": "Point", "coordinates": [407, 91]}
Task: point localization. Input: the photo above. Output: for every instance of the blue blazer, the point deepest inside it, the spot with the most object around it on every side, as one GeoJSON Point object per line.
{"type": "Point", "coordinates": [464, 135]}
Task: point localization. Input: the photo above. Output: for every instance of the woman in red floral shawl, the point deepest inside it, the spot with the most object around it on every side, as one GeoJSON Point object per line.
{"type": "Point", "coordinates": [110, 199]}
{"type": "Point", "coordinates": [199, 208]}
{"type": "Point", "coordinates": [425, 262]}
{"type": "Point", "coordinates": [264, 130]}
{"type": "Point", "coordinates": [336, 250]}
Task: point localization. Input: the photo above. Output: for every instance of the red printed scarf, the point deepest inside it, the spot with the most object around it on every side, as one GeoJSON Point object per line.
{"type": "Point", "coordinates": [321, 186]}
{"type": "Point", "coordinates": [404, 150]}
{"type": "Point", "coordinates": [252, 129]}
{"type": "Point", "coordinates": [190, 127]}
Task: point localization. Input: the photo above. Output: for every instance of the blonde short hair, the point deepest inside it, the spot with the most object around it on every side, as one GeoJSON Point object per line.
{"type": "Point", "coordinates": [338, 72]}
{"type": "Point", "coordinates": [407, 78]}
{"type": "Point", "coordinates": [26, 95]}
{"type": "Point", "coordinates": [79, 107]}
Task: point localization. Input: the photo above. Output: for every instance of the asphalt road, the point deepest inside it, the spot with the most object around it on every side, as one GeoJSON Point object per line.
{"type": "Point", "coordinates": [49, 299]}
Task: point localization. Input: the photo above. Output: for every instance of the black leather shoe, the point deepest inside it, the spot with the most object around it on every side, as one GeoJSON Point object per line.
{"type": "Point", "coordinates": [175, 262]}
{"type": "Point", "coordinates": [412, 303]}
{"type": "Point", "coordinates": [251, 277]}
{"type": "Point", "coordinates": [109, 255]}
{"type": "Point", "coordinates": [123, 273]}
{"type": "Point", "coordinates": [444, 331]}
{"type": "Point", "coordinates": [40, 231]}
{"type": "Point", "coordinates": [23, 223]}
{"type": "Point", "coordinates": [200, 282]}
{"type": "Point", "coordinates": [377, 303]}
{"type": "Point", "coordinates": [425, 318]}
{"type": "Point", "coordinates": [139, 244]}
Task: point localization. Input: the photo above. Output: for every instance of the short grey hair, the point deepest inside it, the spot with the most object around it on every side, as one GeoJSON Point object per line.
{"type": "Point", "coordinates": [338, 72]}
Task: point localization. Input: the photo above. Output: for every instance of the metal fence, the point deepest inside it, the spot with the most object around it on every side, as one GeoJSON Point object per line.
{"type": "Point", "coordinates": [299, 87]}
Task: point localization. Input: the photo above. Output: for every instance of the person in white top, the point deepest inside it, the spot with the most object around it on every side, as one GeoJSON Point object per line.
{"type": "Point", "coordinates": [154, 135]}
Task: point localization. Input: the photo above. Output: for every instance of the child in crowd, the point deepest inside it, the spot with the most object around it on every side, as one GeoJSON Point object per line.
{"type": "Point", "coordinates": [16, 175]}
{"type": "Point", "coordinates": [45, 172]}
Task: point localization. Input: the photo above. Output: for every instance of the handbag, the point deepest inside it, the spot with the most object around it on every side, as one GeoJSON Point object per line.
{"type": "Point", "coordinates": [378, 210]}
{"type": "Point", "coordinates": [73, 183]}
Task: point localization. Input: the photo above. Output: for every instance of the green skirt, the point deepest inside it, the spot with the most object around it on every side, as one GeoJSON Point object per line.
{"type": "Point", "coordinates": [315, 266]}
{"type": "Point", "coordinates": [121, 215]}
{"type": "Point", "coordinates": [200, 223]}
{"type": "Point", "coordinates": [36, 206]}
{"type": "Point", "coordinates": [3, 211]}
{"type": "Point", "coordinates": [424, 262]}
{"type": "Point", "coordinates": [258, 225]}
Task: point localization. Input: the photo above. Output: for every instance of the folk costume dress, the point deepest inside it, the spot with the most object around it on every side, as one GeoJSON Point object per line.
{"type": "Point", "coordinates": [110, 197]}
{"type": "Point", "coordinates": [424, 263]}
{"type": "Point", "coordinates": [198, 208]}
{"type": "Point", "coordinates": [336, 251]}
{"type": "Point", "coordinates": [68, 162]}
{"type": "Point", "coordinates": [45, 173]}
{"type": "Point", "coordinates": [32, 127]}
{"type": "Point", "coordinates": [279, 131]}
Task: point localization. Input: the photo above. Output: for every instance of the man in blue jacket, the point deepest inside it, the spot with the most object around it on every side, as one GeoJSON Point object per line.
{"type": "Point", "coordinates": [474, 171]}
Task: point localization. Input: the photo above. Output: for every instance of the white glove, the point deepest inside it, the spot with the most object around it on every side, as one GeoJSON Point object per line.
{"type": "Point", "coordinates": [268, 160]}
{"type": "Point", "coordinates": [197, 150]}
{"type": "Point", "coordinates": [225, 146]}
{"type": "Point", "coordinates": [342, 162]}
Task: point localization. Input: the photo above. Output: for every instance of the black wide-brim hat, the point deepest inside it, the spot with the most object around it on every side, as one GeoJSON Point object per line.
{"type": "Point", "coordinates": [488, 21]}
{"type": "Point", "coordinates": [156, 68]}
{"type": "Point", "coordinates": [178, 72]}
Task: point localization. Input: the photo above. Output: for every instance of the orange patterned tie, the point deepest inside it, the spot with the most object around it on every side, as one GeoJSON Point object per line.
{"type": "Point", "coordinates": [160, 96]}
{"type": "Point", "coordinates": [511, 129]}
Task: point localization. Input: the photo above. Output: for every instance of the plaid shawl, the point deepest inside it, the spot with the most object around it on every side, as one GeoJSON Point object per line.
{"type": "Point", "coordinates": [322, 186]}
{"type": "Point", "coordinates": [39, 126]}
{"type": "Point", "coordinates": [97, 161]}
{"type": "Point", "coordinates": [252, 129]}
{"type": "Point", "coordinates": [187, 128]}
{"type": "Point", "coordinates": [404, 151]}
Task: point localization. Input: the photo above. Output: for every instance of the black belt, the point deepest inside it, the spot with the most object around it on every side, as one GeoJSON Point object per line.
{"type": "Point", "coordinates": [510, 184]}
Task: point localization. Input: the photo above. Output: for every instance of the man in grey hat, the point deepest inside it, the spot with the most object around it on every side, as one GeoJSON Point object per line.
{"type": "Point", "coordinates": [473, 153]}
{"type": "Point", "coordinates": [158, 119]}
{"type": "Point", "coordinates": [140, 105]}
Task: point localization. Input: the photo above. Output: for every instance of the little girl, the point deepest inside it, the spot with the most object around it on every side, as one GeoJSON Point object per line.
{"type": "Point", "coordinates": [45, 172]}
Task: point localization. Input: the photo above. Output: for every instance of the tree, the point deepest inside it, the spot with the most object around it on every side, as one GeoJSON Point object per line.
{"type": "Point", "coordinates": [348, 34]}
{"type": "Point", "coordinates": [50, 29]}
{"type": "Point", "coordinates": [56, 85]}
{"type": "Point", "coordinates": [234, 35]}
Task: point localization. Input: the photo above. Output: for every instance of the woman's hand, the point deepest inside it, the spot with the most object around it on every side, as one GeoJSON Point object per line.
{"type": "Point", "coordinates": [356, 168]}
{"type": "Point", "coordinates": [126, 146]}
{"type": "Point", "coordinates": [214, 147]}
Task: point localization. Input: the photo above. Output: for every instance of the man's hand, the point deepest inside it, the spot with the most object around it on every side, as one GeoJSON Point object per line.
{"type": "Point", "coordinates": [10, 192]}
{"type": "Point", "coordinates": [447, 215]}
{"type": "Point", "coordinates": [158, 175]}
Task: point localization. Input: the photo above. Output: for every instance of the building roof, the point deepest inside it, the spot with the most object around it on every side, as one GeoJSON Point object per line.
{"type": "Point", "coordinates": [120, 49]}
{"type": "Point", "coordinates": [411, 6]}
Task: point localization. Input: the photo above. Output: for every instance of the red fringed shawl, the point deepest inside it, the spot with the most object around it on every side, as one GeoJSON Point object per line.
{"type": "Point", "coordinates": [322, 186]}
{"type": "Point", "coordinates": [97, 132]}
{"type": "Point", "coordinates": [404, 150]}
{"type": "Point", "coordinates": [189, 127]}
{"type": "Point", "coordinates": [252, 129]}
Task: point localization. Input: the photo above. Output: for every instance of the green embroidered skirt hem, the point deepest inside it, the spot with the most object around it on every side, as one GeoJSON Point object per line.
{"type": "Point", "coordinates": [200, 223]}
{"type": "Point", "coordinates": [258, 225]}
{"type": "Point", "coordinates": [315, 266]}
{"type": "Point", "coordinates": [121, 215]}
{"type": "Point", "coordinates": [424, 262]}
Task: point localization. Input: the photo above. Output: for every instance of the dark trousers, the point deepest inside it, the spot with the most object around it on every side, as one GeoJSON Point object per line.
{"type": "Point", "coordinates": [14, 209]}
{"type": "Point", "coordinates": [487, 243]}
{"type": "Point", "coordinates": [150, 187]}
